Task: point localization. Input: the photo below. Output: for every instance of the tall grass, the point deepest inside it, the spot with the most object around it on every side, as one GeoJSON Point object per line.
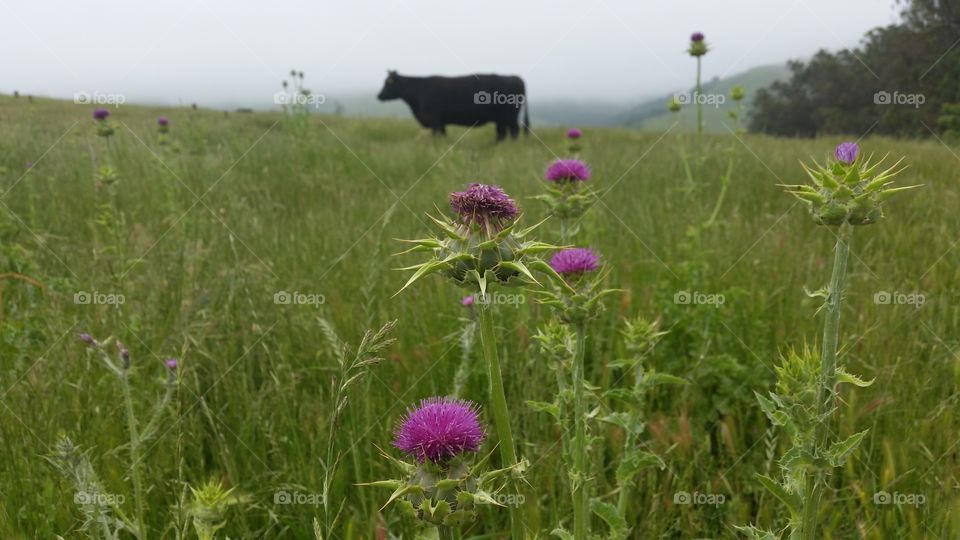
{"type": "Point", "coordinates": [239, 208]}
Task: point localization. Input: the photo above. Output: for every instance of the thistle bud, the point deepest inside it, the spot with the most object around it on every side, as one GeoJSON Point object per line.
{"type": "Point", "coordinates": [565, 197]}
{"type": "Point", "coordinates": [124, 354]}
{"type": "Point", "coordinates": [481, 246]}
{"type": "Point", "coordinates": [850, 189]}
{"type": "Point", "coordinates": [698, 47]}
{"type": "Point", "coordinates": [674, 105]}
{"type": "Point", "coordinates": [104, 127]}
{"type": "Point", "coordinates": [737, 93]}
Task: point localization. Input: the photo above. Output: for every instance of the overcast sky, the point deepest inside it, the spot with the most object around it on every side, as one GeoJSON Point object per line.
{"type": "Point", "coordinates": [238, 51]}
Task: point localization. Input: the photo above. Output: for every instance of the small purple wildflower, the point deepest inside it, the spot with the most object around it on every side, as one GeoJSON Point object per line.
{"type": "Point", "coordinates": [440, 428]}
{"type": "Point", "coordinates": [88, 339]}
{"type": "Point", "coordinates": [696, 37]}
{"type": "Point", "coordinates": [575, 261]}
{"type": "Point", "coordinates": [100, 114]}
{"type": "Point", "coordinates": [467, 301]}
{"type": "Point", "coordinates": [172, 364]}
{"type": "Point", "coordinates": [123, 351]}
{"type": "Point", "coordinates": [846, 152]}
{"type": "Point", "coordinates": [574, 133]}
{"type": "Point", "coordinates": [483, 204]}
{"type": "Point", "coordinates": [163, 121]}
{"type": "Point", "coordinates": [568, 170]}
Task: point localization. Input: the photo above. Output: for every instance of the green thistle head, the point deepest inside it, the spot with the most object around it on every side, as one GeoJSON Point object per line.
{"type": "Point", "coordinates": [850, 189]}
{"type": "Point", "coordinates": [674, 105]}
{"type": "Point", "coordinates": [208, 509]}
{"type": "Point", "coordinates": [698, 47]}
{"type": "Point", "coordinates": [737, 93]}
{"type": "Point", "coordinates": [481, 246]}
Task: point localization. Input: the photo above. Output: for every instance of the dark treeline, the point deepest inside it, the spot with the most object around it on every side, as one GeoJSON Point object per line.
{"type": "Point", "coordinates": [903, 80]}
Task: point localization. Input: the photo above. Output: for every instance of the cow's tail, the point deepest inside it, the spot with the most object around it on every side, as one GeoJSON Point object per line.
{"type": "Point", "coordinates": [526, 118]}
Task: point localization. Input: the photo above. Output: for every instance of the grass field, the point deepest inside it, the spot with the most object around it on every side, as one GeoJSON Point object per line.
{"type": "Point", "coordinates": [198, 236]}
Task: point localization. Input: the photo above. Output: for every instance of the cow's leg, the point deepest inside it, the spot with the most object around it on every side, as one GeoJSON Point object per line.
{"type": "Point", "coordinates": [501, 131]}
{"type": "Point", "coordinates": [514, 130]}
{"type": "Point", "coordinates": [439, 130]}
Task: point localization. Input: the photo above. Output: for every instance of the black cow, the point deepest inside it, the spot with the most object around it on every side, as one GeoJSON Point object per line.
{"type": "Point", "coordinates": [472, 100]}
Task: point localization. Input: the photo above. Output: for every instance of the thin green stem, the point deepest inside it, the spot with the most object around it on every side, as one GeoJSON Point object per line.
{"type": "Point", "coordinates": [697, 100]}
{"type": "Point", "coordinates": [826, 394]}
{"type": "Point", "coordinates": [134, 455]}
{"type": "Point", "coordinates": [444, 532]}
{"type": "Point", "coordinates": [498, 405]}
{"type": "Point", "coordinates": [581, 495]}
{"type": "Point", "coordinates": [725, 183]}
{"type": "Point", "coordinates": [626, 490]}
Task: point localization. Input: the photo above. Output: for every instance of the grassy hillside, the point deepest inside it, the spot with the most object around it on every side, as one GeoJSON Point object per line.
{"type": "Point", "coordinates": [654, 116]}
{"type": "Point", "coordinates": [201, 235]}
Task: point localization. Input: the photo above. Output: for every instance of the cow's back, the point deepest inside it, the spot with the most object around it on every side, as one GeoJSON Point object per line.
{"type": "Point", "coordinates": [475, 99]}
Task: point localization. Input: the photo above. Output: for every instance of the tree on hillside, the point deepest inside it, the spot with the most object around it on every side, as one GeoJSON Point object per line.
{"type": "Point", "coordinates": [897, 82]}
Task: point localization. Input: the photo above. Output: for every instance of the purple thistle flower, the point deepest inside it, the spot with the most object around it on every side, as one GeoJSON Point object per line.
{"type": "Point", "coordinates": [100, 114]}
{"type": "Point", "coordinates": [575, 261]}
{"type": "Point", "coordinates": [483, 204]}
{"type": "Point", "coordinates": [440, 428]}
{"type": "Point", "coordinates": [88, 339]}
{"type": "Point", "coordinates": [467, 301]}
{"type": "Point", "coordinates": [846, 152]}
{"type": "Point", "coordinates": [574, 133]}
{"type": "Point", "coordinates": [171, 363]}
{"type": "Point", "coordinates": [163, 121]}
{"type": "Point", "coordinates": [568, 170]}
{"type": "Point", "coordinates": [696, 37]}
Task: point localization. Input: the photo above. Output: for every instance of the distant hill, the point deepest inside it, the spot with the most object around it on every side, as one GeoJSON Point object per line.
{"type": "Point", "coordinates": [653, 115]}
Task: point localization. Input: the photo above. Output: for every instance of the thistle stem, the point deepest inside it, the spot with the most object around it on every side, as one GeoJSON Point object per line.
{"type": "Point", "coordinates": [626, 490]}
{"type": "Point", "coordinates": [498, 404]}
{"type": "Point", "coordinates": [134, 454]}
{"type": "Point", "coordinates": [444, 532]}
{"type": "Point", "coordinates": [581, 495]}
{"type": "Point", "coordinates": [697, 99]}
{"type": "Point", "coordinates": [725, 183]}
{"type": "Point", "coordinates": [826, 393]}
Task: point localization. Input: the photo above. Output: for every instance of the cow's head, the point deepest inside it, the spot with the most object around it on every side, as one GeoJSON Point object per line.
{"type": "Point", "coordinates": [391, 86]}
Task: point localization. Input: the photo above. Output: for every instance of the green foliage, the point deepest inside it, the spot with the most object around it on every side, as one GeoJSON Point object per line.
{"type": "Point", "coordinates": [895, 83]}
{"type": "Point", "coordinates": [793, 406]}
{"type": "Point", "coordinates": [301, 212]}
